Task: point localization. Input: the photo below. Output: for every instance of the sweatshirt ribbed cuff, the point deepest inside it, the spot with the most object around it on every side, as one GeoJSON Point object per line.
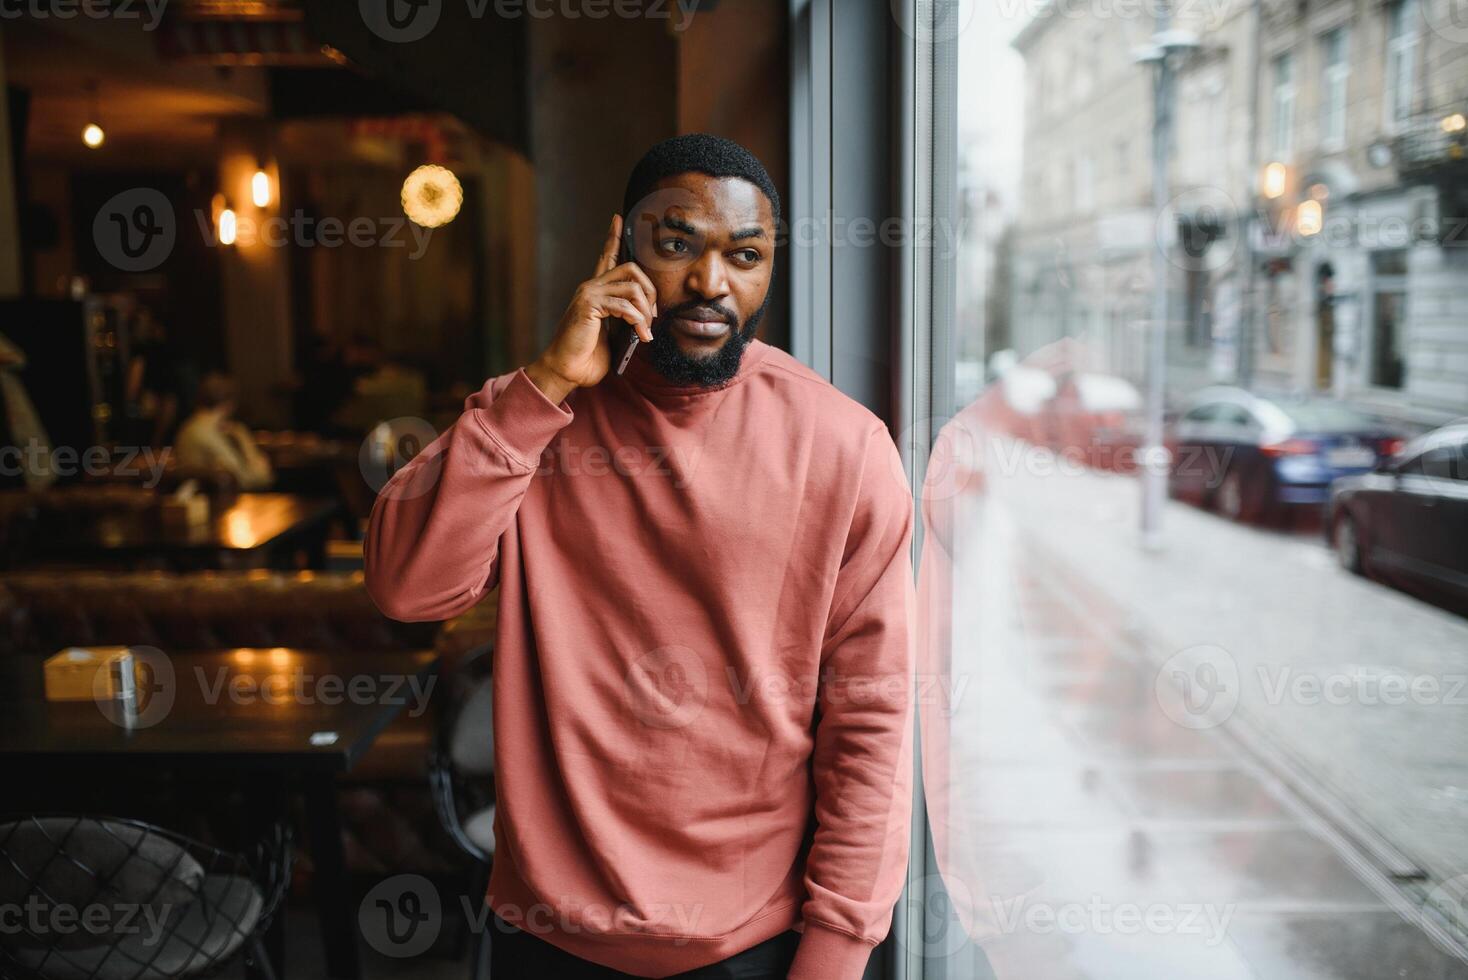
{"type": "Point", "coordinates": [825, 954]}
{"type": "Point", "coordinates": [523, 420]}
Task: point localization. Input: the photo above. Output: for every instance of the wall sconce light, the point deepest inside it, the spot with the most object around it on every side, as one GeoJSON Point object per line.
{"type": "Point", "coordinates": [227, 227]}
{"type": "Point", "coordinates": [260, 189]}
{"type": "Point", "coordinates": [92, 134]}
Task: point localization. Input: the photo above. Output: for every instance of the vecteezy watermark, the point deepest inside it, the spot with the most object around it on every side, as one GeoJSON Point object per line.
{"type": "Point", "coordinates": [296, 686]}
{"type": "Point", "coordinates": [1448, 19]}
{"type": "Point", "coordinates": [403, 916]}
{"type": "Point", "coordinates": [136, 230]}
{"type": "Point", "coordinates": [406, 21]}
{"type": "Point", "coordinates": [1448, 899]}
{"type": "Point", "coordinates": [1099, 917]}
{"type": "Point", "coordinates": [305, 231]}
{"type": "Point", "coordinates": [1198, 687]}
{"type": "Point", "coordinates": [150, 12]}
{"type": "Point", "coordinates": [667, 687]}
{"type": "Point", "coordinates": [67, 926]}
{"type": "Point", "coordinates": [833, 688]}
{"type": "Point", "coordinates": [932, 21]}
{"type": "Point", "coordinates": [941, 235]}
{"type": "Point", "coordinates": [1361, 684]}
{"type": "Point", "coordinates": [678, 463]}
{"type": "Point", "coordinates": [389, 448]}
{"type": "Point", "coordinates": [940, 903]}
{"type": "Point", "coordinates": [37, 459]}
{"type": "Point", "coordinates": [154, 690]}
{"type": "Point", "coordinates": [1183, 11]}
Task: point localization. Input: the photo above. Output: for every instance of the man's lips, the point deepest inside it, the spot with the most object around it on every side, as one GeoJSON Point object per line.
{"type": "Point", "coordinates": [700, 323]}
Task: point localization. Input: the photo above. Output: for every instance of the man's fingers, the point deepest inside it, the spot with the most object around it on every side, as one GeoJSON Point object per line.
{"type": "Point", "coordinates": [633, 292]}
{"type": "Point", "coordinates": [635, 271]}
{"type": "Point", "coordinates": [608, 259]}
{"type": "Point", "coordinates": [615, 306]}
{"type": "Point", "coordinates": [631, 272]}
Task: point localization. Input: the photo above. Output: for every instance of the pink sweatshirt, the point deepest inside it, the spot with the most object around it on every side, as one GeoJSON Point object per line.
{"type": "Point", "coordinates": [703, 669]}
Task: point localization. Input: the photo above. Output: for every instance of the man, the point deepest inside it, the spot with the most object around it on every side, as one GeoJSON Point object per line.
{"type": "Point", "coordinates": [213, 441]}
{"type": "Point", "coordinates": [702, 671]}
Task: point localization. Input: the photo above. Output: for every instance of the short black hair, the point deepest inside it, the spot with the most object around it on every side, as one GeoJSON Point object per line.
{"type": "Point", "coordinates": [698, 153]}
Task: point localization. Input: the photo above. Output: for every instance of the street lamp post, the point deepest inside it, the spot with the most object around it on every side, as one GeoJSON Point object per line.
{"type": "Point", "coordinates": [1161, 53]}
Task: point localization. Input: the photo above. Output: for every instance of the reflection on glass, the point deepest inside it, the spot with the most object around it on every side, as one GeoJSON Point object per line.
{"type": "Point", "coordinates": [1238, 754]}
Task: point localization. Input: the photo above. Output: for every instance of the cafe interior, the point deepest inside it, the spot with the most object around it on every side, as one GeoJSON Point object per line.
{"type": "Point", "coordinates": [254, 255]}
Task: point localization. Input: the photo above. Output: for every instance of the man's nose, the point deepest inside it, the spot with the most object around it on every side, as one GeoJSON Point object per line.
{"type": "Point", "coordinates": [708, 277]}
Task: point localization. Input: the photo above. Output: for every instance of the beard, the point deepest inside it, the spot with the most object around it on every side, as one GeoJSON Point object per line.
{"type": "Point", "coordinates": [712, 370]}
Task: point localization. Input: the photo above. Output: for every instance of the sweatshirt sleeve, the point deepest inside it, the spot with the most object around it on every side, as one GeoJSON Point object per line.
{"type": "Point", "coordinates": [862, 762]}
{"type": "Point", "coordinates": [432, 544]}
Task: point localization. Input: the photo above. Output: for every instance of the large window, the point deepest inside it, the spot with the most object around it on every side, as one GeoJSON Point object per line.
{"type": "Point", "coordinates": [1334, 73]}
{"type": "Point", "coordinates": [1284, 106]}
{"type": "Point", "coordinates": [1401, 54]}
{"type": "Point", "coordinates": [1167, 718]}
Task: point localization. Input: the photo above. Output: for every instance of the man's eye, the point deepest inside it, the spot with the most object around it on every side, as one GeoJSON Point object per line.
{"type": "Point", "coordinates": [676, 246]}
{"type": "Point", "coordinates": [748, 255]}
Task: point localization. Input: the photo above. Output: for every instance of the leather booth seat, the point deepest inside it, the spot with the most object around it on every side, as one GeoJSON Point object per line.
{"type": "Point", "coordinates": [45, 611]}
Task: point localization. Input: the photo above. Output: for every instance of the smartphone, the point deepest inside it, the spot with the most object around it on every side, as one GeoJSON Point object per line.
{"type": "Point", "coordinates": [626, 256]}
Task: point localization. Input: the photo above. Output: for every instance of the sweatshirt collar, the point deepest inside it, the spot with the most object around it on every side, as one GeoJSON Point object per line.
{"type": "Point", "coordinates": [648, 380]}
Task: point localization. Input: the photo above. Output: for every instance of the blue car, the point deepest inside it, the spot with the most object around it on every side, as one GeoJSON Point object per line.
{"type": "Point", "coordinates": [1252, 457]}
{"type": "Point", "coordinates": [1407, 520]}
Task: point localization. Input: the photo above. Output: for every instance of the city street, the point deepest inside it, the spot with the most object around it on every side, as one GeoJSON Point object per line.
{"type": "Point", "coordinates": [1198, 762]}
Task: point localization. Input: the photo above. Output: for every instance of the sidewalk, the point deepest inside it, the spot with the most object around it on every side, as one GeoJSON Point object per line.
{"type": "Point", "coordinates": [1094, 836]}
{"type": "Point", "coordinates": [1362, 686]}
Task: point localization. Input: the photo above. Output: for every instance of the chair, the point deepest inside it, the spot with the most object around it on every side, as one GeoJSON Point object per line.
{"type": "Point", "coordinates": [149, 904]}
{"type": "Point", "coordinates": [461, 777]}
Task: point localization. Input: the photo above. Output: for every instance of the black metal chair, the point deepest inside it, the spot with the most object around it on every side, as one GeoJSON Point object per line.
{"type": "Point", "coordinates": [103, 898]}
{"type": "Point", "coordinates": [461, 777]}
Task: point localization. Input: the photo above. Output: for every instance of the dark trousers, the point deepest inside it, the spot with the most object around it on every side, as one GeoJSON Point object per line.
{"type": "Point", "coordinates": [517, 955]}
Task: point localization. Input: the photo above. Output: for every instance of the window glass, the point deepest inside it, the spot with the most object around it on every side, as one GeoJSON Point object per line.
{"type": "Point", "coordinates": [1158, 663]}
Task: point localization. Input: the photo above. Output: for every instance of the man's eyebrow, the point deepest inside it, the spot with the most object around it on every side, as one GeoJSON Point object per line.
{"type": "Point", "coordinates": [678, 224]}
{"type": "Point", "coordinates": [743, 233]}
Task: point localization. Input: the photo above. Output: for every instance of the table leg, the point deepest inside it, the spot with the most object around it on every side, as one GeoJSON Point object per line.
{"type": "Point", "coordinates": [331, 887]}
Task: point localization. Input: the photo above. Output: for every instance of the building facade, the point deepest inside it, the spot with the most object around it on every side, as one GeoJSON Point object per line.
{"type": "Point", "coordinates": [1317, 183]}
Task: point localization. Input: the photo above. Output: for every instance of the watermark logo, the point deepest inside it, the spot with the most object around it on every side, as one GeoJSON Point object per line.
{"type": "Point", "coordinates": [1448, 19]}
{"type": "Point", "coordinates": [933, 903]}
{"type": "Point", "coordinates": [135, 230]}
{"type": "Point", "coordinates": [932, 21]}
{"type": "Point", "coordinates": [81, 927]}
{"type": "Point", "coordinates": [668, 687]}
{"type": "Point", "coordinates": [155, 688]}
{"type": "Point", "coordinates": [406, 21]}
{"type": "Point", "coordinates": [401, 917]}
{"type": "Point", "coordinates": [1198, 687]}
{"type": "Point", "coordinates": [1449, 899]}
{"type": "Point", "coordinates": [1197, 231]}
{"type": "Point", "coordinates": [392, 445]}
{"type": "Point", "coordinates": [148, 11]}
{"type": "Point", "coordinates": [400, 21]}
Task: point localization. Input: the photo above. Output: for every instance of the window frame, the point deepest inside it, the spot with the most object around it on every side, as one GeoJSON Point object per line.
{"type": "Point", "coordinates": [1283, 94]}
{"type": "Point", "coordinates": [1335, 82]}
{"type": "Point", "coordinates": [1401, 42]}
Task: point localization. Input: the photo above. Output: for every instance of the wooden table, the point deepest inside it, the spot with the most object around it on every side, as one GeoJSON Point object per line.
{"type": "Point", "coordinates": [242, 532]}
{"type": "Point", "coordinates": [294, 717]}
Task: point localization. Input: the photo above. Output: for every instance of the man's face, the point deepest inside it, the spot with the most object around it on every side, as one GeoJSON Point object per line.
{"type": "Point", "coordinates": [707, 244]}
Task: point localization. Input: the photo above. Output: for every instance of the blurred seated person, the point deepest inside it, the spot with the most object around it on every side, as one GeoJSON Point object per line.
{"type": "Point", "coordinates": [212, 440]}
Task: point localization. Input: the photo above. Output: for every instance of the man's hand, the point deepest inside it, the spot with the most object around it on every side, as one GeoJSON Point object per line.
{"type": "Point", "coordinates": [581, 353]}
